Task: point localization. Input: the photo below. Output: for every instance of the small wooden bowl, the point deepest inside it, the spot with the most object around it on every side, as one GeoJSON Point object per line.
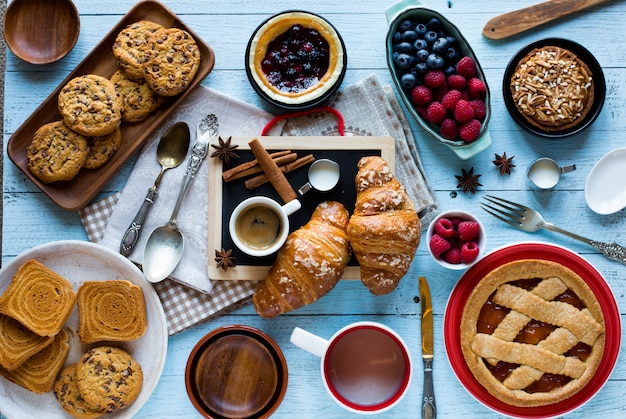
{"type": "Point", "coordinates": [41, 31]}
{"type": "Point", "coordinates": [236, 372]}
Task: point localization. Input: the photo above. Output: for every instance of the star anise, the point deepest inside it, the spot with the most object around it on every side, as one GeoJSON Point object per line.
{"type": "Point", "coordinates": [468, 181]}
{"type": "Point", "coordinates": [504, 164]}
{"type": "Point", "coordinates": [225, 150]}
{"type": "Point", "coordinates": [224, 259]}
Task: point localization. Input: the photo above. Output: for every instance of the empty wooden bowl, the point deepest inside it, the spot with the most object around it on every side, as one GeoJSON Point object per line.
{"type": "Point", "coordinates": [236, 372]}
{"type": "Point", "coordinates": [41, 31]}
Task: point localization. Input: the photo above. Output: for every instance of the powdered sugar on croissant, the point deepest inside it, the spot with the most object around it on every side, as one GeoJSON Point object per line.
{"type": "Point", "coordinates": [384, 230]}
{"type": "Point", "coordinates": [309, 264]}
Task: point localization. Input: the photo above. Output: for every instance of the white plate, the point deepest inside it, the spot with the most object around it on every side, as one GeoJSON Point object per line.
{"type": "Point", "coordinates": [605, 190]}
{"type": "Point", "coordinates": [80, 261]}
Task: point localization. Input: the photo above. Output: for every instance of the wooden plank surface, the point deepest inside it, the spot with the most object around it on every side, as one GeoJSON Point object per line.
{"type": "Point", "coordinates": [30, 218]}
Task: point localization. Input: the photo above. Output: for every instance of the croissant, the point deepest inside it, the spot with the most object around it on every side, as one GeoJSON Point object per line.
{"type": "Point", "coordinates": [308, 265]}
{"type": "Point", "coordinates": [384, 230]}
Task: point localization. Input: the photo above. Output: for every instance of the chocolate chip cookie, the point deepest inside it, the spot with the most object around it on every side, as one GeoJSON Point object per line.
{"type": "Point", "coordinates": [90, 106]}
{"type": "Point", "coordinates": [108, 378]}
{"type": "Point", "coordinates": [172, 61]}
{"type": "Point", "coordinates": [102, 148]}
{"type": "Point", "coordinates": [56, 153]}
{"type": "Point", "coordinates": [130, 45]}
{"type": "Point", "coordinates": [68, 395]}
{"type": "Point", "coordinates": [138, 100]}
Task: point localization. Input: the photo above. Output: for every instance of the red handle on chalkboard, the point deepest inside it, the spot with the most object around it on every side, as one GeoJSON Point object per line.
{"type": "Point", "coordinates": [340, 124]}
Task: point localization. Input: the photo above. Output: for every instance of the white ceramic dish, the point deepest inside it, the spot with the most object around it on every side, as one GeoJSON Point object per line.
{"type": "Point", "coordinates": [605, 190]}
{"type": "Point", "coordinates": [79, 261]}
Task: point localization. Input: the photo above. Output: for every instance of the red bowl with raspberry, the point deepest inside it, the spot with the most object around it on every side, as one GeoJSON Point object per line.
{"type": "Point", "coordinates": [439, 78]}
{"type": "Point", "coordinates": [456, 239]}
{"type": "Point", "coordinates": [296, 61]}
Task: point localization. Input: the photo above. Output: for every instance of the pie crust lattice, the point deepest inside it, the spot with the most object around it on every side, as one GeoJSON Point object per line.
{"type": "Point", "coordinates": [532, 333]}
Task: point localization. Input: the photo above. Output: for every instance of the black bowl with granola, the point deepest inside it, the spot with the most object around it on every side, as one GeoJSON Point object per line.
{"type": "Point", "coordinates": [554, 88]}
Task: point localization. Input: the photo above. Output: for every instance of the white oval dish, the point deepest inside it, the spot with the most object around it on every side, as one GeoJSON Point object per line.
{"type": "Point", "coordinates": [79, 261]}
{"type": "Point", "coordinates": [605, 190]}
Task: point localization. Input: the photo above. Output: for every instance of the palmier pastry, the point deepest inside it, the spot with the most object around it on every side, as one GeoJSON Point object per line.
{"type": "Point", "coordinates": [532, 333]}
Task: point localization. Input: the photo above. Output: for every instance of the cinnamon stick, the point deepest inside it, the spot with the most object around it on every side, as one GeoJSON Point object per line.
{"type": "Point", "coordinates": [281, 160]}
{"type": "Point", "coordinates": [231, 173]}
{"type": "Point", "coordinates": [289, 167]}
{"type": "Point", "coordinates": [274, 174]}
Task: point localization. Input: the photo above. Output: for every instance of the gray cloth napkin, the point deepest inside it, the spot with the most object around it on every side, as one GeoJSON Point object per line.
{"type": "Point", "coordinates": [367, 107]}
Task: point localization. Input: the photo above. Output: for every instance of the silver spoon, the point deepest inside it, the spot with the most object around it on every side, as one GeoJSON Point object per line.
{"type": "Point", "coordinates": [165, 245]}
{"type": "Point", "coordinates": [171, 152]}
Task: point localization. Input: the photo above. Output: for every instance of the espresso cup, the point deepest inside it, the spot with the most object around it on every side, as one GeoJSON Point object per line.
{"type": "Point", "coordinates": [259, 225]}
{"type": "Point", "coordinates": [544, 173]}
{"type": "Point", "coordinates": [365, 367]}
{"type": "Point", "coordinates": [323, 176]}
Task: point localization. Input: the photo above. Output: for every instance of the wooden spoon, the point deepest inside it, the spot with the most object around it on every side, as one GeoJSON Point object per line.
{"type": "Point", "coordinates": [512, 23]}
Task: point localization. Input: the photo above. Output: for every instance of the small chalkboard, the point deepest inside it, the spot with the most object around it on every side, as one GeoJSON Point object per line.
{"type": "Point", "coordinates": [225, 196]}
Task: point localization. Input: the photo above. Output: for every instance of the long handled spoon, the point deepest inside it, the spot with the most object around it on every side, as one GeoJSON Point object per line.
{"type": "Point", "coordinates": [518, 21]}
{"type": "Point", "coordinates": [165, 246]}
{"type": "Point", "coordinates": [171, 152]}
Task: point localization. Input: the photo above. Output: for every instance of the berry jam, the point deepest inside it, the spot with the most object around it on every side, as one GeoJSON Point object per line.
{"type": "Point", "coordinates": [534, 332]}
{"type": "Point", "coordinates": [296, 59]}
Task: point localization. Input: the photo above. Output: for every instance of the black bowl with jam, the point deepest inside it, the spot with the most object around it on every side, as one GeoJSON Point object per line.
{"type": "Point", "coordinates": [296, 61]}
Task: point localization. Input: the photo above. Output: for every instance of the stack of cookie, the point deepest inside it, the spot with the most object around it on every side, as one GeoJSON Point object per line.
{"type": "Point", "coordinates": [33, 311]}
{"type": "Point", "coordinates": [34, 345]}
{"type": "Point", "coordinates": [153, 63]}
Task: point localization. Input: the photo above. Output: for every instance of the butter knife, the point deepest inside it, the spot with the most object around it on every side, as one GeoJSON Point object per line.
{"type": "Point", "coordinates": [429, 410]}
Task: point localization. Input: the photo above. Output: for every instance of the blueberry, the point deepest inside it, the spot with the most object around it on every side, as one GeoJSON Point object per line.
{"type": "Point", "coordinates": [404, 61]}
{"type": "Point", "coordinates": [434, 62]}
{"type": "Point", "coordinates": [434, 24]}
{"type": "Point", "coordinates": [405, 25]}
{"type": "Point", "coordinates": [403, 48]}
{"type": "Point", "coordinates": [451, 55]}
{"type": "Point", "coordinates": [449, 70]}
{"type": "Point", "coordinates": [420, 44]}
{"type": "Point", "coordinates": [421, 29]}
{"type": "Point", "coordinates": [451, 40]}
{"type": "Point", "coordinates": [397, 37]}
{"type": "Point", "coordinates": [420, 69]}
{"type": "Point", "coordinates": [409, 36]}
{"type": "Point", "coordinates": [440, 46]}
{"type": "Point", "coordinates": [408, 81]}
{"type": "Point", "coordinates": [431, 36]}
{"type": "Point", "coordinates": [422, 55]}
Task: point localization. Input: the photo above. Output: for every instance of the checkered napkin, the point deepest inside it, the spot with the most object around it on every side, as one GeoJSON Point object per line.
{"type": "Point", "coordinates": [368, 108]}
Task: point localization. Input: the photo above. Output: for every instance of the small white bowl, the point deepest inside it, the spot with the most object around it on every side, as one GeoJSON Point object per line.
{"type": "Point", "coordinates": [465, 216]}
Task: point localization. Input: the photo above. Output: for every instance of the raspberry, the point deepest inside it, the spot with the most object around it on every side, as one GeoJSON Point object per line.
{"type": "Point", "coordinates": [438, 245]}
{"type": "Point", "coordinates": [421, 95]}
{"type": "Point", "coordinates": [476, 88]}
{"type": "Point", "coordinates": [480, 109]}
{"type": "Point", "coordinates": [456, 81]}
{"type": "Point", "coordinates": [469, 252]}
{"type": "Point", "coordinates": [468, 230]}
{"type": "Point", "coordinates": [469, 131]}
{"type": "Point", "coordinates": [435, 79]}
{"type": "Point", "coordinates": [440, 93]}
{"type": "Point", "coordinates": [466, 67]}
{"type": "Point", "coordinates": [463, 111]}
{"type": "Point", "coordinates": [444, 228]}
{"type": "Point", "coordinates": [453, 256]}
{"type": "Point", "coordinates": [450, 99]}
{"type": "Point", "coordinates": [436, 112]}
{"type": "Point", "coordinates": [449, 129]}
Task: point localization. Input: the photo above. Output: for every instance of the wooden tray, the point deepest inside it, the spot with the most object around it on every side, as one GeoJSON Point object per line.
{"type": "Point", "coordinates": [224, 197]}
{"type": "Point", "coordinates": [77, 193]}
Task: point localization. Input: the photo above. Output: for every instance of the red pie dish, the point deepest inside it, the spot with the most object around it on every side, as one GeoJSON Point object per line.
{"type": "Point", "coordinates": [547, 253]}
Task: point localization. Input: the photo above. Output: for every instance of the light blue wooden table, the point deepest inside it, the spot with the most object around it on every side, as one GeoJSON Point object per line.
{"type": "Point", "coordinates": [30, 218]}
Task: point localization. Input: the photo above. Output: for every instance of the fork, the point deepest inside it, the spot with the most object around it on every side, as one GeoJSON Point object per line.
{"type": "Point", "coordinates": [527, 219]}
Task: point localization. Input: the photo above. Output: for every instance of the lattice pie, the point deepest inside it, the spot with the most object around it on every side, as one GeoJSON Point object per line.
{"type": "Point", "coordinates": [532, 333]}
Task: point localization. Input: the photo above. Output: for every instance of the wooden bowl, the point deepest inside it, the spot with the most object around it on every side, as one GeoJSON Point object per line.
{"type": "Point", "coordinates": [41, 31]}
{"type": "Point", "coordinates": [236, 372]}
